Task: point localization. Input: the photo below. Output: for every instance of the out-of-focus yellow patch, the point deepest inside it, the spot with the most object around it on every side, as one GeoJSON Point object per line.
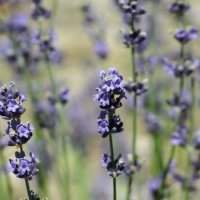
{"type": "Point", "coordinates": [4, 10]}
{"type": "Point", "coordinates": [7, 8]}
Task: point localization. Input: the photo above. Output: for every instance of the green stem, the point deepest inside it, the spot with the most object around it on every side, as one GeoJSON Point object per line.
{"type": "Point", "coordinates": [134, 134]}
{"type": "Point", "coordinates": [63, 128]}
{"type": "Point", "coordinates": [26, 180]}
{"type": "Point", "coordinates": [28, 189]}
{"type": "Point", "coordinates": [129, 187]}
{"type": "Point", "coordinates": [51, 77]}
{"type": "Point", "coordinates": [157, 152]}
{"type": "Point", "coordinates": [112, 159]}
{"type": "Point", "coordinates": [8, 182]}
{"type": "Point", "coordinates": [166, 170]}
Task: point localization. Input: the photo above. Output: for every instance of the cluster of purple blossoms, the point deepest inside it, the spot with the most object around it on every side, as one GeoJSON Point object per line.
{"type": "Point", "coordinates": [134, 38]}
{"type": "Point", "coordinates": [131, 10]}
{"type": "Point", "coordinates": [19, 133]}
{"type": "Point", "coordinates": [111, 90]}
{"type": "Point", "coordinates": [179, 8]}
{"type": "Point", "coordinates": [153, 123]}
{"type": "Point", "coordinates": [39, 11]}
{"type": "Point", "coordinates": [180, 70]}
{"type": "Point", "coordinates": [11, 102]}
{"type": "Point", "coordinates": [109, 96]}
{"type": "Point", "coordinates": [138, 88]}
{"type": "Point", "coordinates": [24, 45]}
{"type": "Point", "coordinates": [114, 167]}
{"type": "Point", "coordinates": [182, 101]}
{"type": "Point", "coordinates": [184, 36]}
{"type": "Point", "coordinates": [24, 167]}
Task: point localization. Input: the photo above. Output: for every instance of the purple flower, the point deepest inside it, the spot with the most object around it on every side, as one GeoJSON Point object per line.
{"type": "Point", "coordinates": [24, 167]}
{"type": "Point", "coordinates": [131, 10]}
{"type": "Point", "coordinates": [139, 88]}
{"type": "Point", "coordinates": [18, 133]}
{"type": "Point", "coordinates": [101, 49]}
{"type": "Point", "coordinates": [11, 102]}
{"type": "Point", "coordinates": [46, 114]}
{"type": "Point", "coordinates": [24, 130]}
{"type": "Point", "coordinates": [64, 96]}
{"type": "Point", "coordinates": [179, 137]}
{"type": "Point", "coordinates": [153, 123]}
{"type": "Point", "coordinates": [154, 186]}
{"type": "Point", "coordinates": [179, 8]}
{"type": "Point", "coordinates": [39, 11]}
{"type": "Point", "coordinates": [103, 127]}
{"type": "Point", "coordinates": [115, 167]}
{"type": "Point", "coordinates": [17, 23]}
{"type": "Point", "coordinates": [134, 38]}
{"type": "Point", "coordinates": [186, 35]}
{"type": "Point", "coordinates": [110, 92]}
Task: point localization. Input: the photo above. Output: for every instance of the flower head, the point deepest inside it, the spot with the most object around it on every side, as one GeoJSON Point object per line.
{"type": "Point", "coordinates": [19, 133]}
{"type": "Point", "coordinates": [115, 167]}
{"type": "Point", "coordinates": [186, 35]}
{"type": "Point", "coordinates": [110, 92]}
{"type": "Point", "coordinates": [24, 167]}
{"type": "Point", "coordinates": [179, 8]}
{"type": "Point", "coordinates": [11, 102]}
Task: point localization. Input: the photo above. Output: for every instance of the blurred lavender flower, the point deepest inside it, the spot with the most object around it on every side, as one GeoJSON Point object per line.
{"type": "Point", "coordinates": [186, 35]}
{"type": "Point", "coordinates": [134, 38]}
{"type": "Point", "coordinates": [131, 167]}
{"type": "Point", "coordinates": [101, 49]}
{"type": "Point", "coordinates": [179, 70]}
{"type": "Point", "coordinates": [153, 123]}
{"type": "Point", "coordinates": [17, 23]}
{"type": "Point", "coordinates": [179, 8]}
{"type": "Point", "coordinates": [137, 88]}
{"type": "Point", "coordinates": [154, 187]}
{"type": "Point", "coordinates": [180, 136]}
{"type": "Point", "coordinates": [46, 114]}
{"type": "Point", "coordinates": [182, 101]}
{"type": "Point", "coordinates": [89, 15]}
{"type": "Point", "coordinates": [64, 96]}
{"type": "Point", "coordinates": [39, 11]}
{"type": "Point", "coordinates": [131, 10]}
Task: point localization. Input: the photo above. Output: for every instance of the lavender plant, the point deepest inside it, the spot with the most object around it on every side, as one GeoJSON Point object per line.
{"type": "Point", "coordinates": [19, 133]}
{"type": "Point", "coordinates": [131, 11]}
{"type": "Point", "coordinates": [109, 97]}
{"type": "Point", "coordinates": [181, 71]}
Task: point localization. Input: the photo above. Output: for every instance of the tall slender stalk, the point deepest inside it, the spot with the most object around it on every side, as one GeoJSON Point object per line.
{"type": "Point", "coordinates": [63, 128]}
{"type": "Point", "coordinates": [173, 148]}
{"type": "Point", "coordinates": [28, 190]}
{"type": "Point", "coordinates": [134, 118]}
{"type": "Point", "coordinates": [112, 159]}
